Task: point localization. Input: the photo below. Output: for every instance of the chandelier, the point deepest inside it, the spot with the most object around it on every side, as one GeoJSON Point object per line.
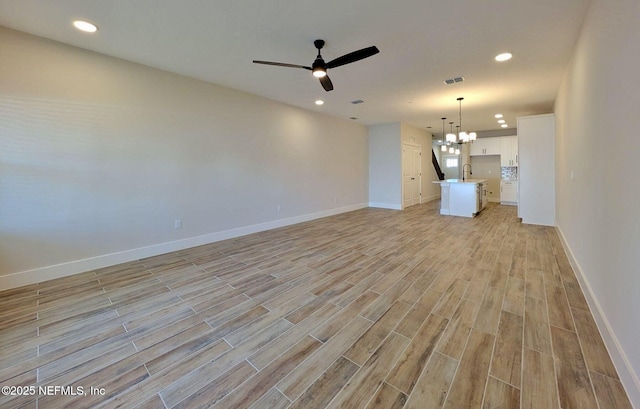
{"type": "Point", "coordinates": [459, 137]}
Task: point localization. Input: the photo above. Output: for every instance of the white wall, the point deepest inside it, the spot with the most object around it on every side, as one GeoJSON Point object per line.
{"type": "Point", "coordinates": [409, 133]}
{"type": "Point", "coordinates": [488, 167]}
{"type": "Point", "coordinates": [536, 186]}
{"type": "Point", "coordinates": [385, 166]}
{"type": "Point", "coordinates": [100, 156]}
{"type": "Point", "coordinates": [597, 125]}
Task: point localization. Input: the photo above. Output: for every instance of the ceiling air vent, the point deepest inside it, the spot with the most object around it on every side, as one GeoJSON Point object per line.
{"type": "Point", "coordinates": [357, 101]}
{"type": "Point", "coordinates": [453, 80]}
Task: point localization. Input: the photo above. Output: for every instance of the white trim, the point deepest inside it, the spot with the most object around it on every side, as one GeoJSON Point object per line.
{"type": "Point", "coordinates": [79, 266]}
{"type": "Point", "coordinates": [628, 376]}
{"type": "Point", "coordinates": [430, 198]}
{"type": "Point", "coordinates": [380, 205]}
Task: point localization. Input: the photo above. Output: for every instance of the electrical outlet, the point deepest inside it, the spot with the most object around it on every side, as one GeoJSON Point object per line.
{"type": "Point", "coordinates": [177, 224]}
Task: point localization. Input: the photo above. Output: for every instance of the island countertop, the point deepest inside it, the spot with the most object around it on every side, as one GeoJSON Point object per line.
{"type": "Point", "coordinates": [470, 181]}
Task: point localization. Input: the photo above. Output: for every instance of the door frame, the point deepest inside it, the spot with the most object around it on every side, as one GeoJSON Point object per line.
{"type": "Point", "coordinates": [419, 148]}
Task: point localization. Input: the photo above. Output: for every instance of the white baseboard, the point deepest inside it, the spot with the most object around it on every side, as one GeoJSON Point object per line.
{"type": "Point", "coordinates": [430, 198]}
{"type": "Point", "coordinates": [391, 206]}
{"type": "Point", "coordinates": [79, 266]}
{"type": "Point", "coordinates": [628, 376]}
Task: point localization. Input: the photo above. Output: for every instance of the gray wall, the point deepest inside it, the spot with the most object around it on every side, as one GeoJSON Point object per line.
{"type": "Point", "coordinates": [385, 166]}
{"type": "Point", "coordinates": [597, 140]}
{"type": "Point", "coordinates": [100, 156]}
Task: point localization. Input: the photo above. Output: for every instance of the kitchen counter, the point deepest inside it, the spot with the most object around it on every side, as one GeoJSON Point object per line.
{"type": "Point", "coordinates": [462, 197]}
{"type": "Point", "coordinates": [470, 181]}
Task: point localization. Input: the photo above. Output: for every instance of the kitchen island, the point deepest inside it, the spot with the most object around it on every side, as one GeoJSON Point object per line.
{"type": "Point", "coordinates": [460, 197]}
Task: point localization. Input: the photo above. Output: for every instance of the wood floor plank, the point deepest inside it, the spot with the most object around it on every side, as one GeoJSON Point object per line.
{"type": "Point", "coordinates": [387, 397]}
{"type": "Point", "coordinates": [192, 381]}
{"type": "Point", "coordinates": [358, 392]}
{"type": "Point", "coordinates": [535, 284]}
{"type": "Point", "coordinates": [274, 399]}
{"type": "Point", "coordinates": [450, 299]}
{"type": "Point", "coordinates": [500, 395]}
{"type": "Point", "coordinates": [153, 402]}
{"type": "Point", "coordinates": [574, 384]}
{"type": "Point", "coordinates": [378, 307]}
{"type": "Point", "coordinates": [218, 388]}
{"type": "Point", "coordinates": [259, 384]}
{"type": "Point", "coordinates": [489, 313]}
{"type": "Point", "coordinates": [536, 325]}
{"type": "Point", "coordinates": [574, 293]}
{"type": "Point", "coordinates": [468, 386]}
{"type": "Point", "coordinates": [539, 389]}
{"type": "Point", "coordinates": [513, 301]}
{"type": "Point", "coordinates": [506, 363]}
{"type": "Point", "coordinates": [153, 385]}
{"type": "Point", "coordinates": [416, 316]}
{"type": "Point", "coordinates": [331, 327]}
{"type": "Point", "coordinates": [433, 385]}
{"type": "Point", "coordinates": [455, 336]}
{"type": "Point", "coordinates": [366, 345]}
{"type": "Point", "coordinates": [558, 308]}
{"type": "Point", "coordinates": [269, 352]}
{"type": "Point", "coordinates": [294, 384]}
{"type": "Point", "coordinates": [610, 392]}
{"type": "Point", "coordinates": [406, 371]}
{"type": "Point", "coordinates": [323, 390]}
{"type": "Point", "coordinates": [595, 352]}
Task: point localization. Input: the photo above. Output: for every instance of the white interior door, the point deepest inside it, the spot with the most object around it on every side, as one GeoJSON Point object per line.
{"type": "Point", "coordinates": [411, 174]}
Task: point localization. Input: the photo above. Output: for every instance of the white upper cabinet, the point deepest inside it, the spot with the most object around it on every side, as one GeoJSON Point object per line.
{"type": "Point", "coordinates": [485, 146]}
{"type": "Point", "coordinates": [508, 150]}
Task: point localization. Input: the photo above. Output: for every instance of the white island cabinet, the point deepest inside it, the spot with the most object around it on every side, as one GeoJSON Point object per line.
{"type": "Point", "coordinates": [461, 197]}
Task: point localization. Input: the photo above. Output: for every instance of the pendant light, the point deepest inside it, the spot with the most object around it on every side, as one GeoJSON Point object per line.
{"type": "Point", "coordinates": [464, 137]}
{"type": "Point", "coordinates": [451, 137]}
{"type": "Point", "coordinates": [443, 148]}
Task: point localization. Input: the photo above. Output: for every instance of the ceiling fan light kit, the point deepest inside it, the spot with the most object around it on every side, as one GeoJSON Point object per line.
{"type": "Point", "coordinates": [319, 67]}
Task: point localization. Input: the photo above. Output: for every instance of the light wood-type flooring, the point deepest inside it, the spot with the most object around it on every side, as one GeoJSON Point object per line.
{"type": "Point", "coordinates": [368, 309]}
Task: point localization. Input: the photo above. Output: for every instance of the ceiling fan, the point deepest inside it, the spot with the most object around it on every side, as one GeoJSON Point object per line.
{"type": "Point", "coordinates": [319, 67]}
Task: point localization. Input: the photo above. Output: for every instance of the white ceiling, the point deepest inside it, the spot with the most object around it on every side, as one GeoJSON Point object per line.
{"type": "Point", "coordinates": [421, 42]}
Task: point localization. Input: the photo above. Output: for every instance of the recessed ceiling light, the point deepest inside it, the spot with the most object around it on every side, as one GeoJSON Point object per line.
{"type": "Point", "coordinates": [498, 115]}
{"type": "Point", "coordinates": [85, 26]}
{"type": "Point", "coordinates": [319, 102]}
{"type": "Point", "coordinates": [504, 125]}
{"type": "Point", "coordinates": [501, 121]}
{"type": "Point", "coordinates": [503, 57]}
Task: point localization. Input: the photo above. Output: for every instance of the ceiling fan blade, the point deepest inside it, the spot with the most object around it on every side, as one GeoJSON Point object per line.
{"type": "Point", "coordinates": [326, 83]}
{"type": "Point", "coordinates": [281, 64]}
{"type": "Point", "coordinates": [353, 57]}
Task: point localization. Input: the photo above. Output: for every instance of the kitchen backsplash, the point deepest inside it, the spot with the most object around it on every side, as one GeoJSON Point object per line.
{"type": "Point", "coordinates": [510, 172]}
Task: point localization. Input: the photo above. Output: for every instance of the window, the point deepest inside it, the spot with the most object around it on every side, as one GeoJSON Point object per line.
{"type": "Point", "coordinates": [452, 162]}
